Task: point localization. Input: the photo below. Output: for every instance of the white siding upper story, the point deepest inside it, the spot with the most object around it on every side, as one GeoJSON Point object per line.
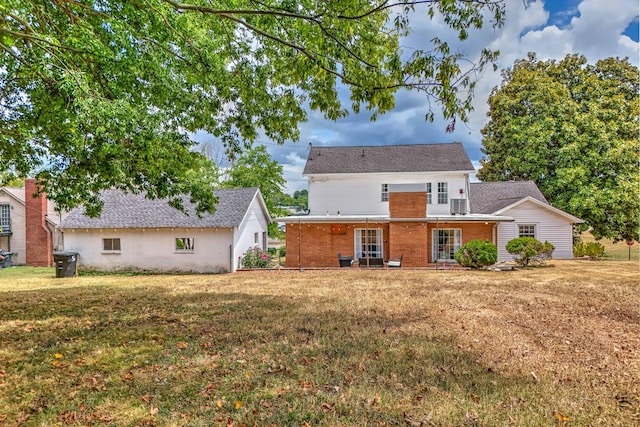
{"type": "Point", "coordinates": [362, 193]}
{"type": "Point", "coordinates": [548, 225]}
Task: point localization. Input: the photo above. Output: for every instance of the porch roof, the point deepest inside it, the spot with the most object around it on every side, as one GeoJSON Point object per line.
{"type": "Point", "coordinates": [335, 218]}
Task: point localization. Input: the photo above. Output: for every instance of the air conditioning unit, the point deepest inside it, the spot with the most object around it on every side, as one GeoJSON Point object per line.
{"type": "Point", "coordinates": [458, 206]}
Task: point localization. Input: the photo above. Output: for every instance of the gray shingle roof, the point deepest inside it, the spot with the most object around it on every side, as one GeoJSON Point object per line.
{"type": "Point", "coordinates": [125, 210]}
{"type": "Point", "coordinates": [388, 158]}
{"type": "Point", "coordinates": [489, 197]}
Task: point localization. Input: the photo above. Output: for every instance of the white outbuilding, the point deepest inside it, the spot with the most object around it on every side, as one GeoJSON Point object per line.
{"type": "Point", "coordinates": [140, 234]}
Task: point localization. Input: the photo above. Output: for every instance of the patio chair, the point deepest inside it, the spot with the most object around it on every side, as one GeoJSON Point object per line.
{"type": "Point", "coordinates": [395, 262]}
{"type": "Point", "coordinates": [345, 261]}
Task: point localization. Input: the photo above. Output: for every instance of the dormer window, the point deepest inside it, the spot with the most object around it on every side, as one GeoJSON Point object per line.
{"type": "Point", "coordinates": [384, 192]}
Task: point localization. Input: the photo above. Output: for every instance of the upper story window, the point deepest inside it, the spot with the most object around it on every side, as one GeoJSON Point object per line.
{"type": "Point", "coordinates": [111, 245]}
{"type": "Point", "coordinates": [443, 193]}
{"type": "Point", "coordinates": [526, 230]}
{"type": "Point", "coordinates": [185, 244]}
{"type": "Point", "coordinates": [384, 192]}
{"type": "Point", "coordinates": [429, 191]}
{"type": "Point", "coordinates": [5, 218]}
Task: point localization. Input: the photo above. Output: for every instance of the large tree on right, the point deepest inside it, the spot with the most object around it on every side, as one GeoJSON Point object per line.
{"type": "Point", "coordinates": [573, 128]}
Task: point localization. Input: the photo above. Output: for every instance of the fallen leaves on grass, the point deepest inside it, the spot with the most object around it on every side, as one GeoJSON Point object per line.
{"type": "Point", "coordinates": [562, 419]}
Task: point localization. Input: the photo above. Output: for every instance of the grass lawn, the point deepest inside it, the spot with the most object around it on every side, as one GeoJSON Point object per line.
{"type": "Point", "coordinates": [554, 346]}
{"type": "Point", "coordinates": [615, 251]}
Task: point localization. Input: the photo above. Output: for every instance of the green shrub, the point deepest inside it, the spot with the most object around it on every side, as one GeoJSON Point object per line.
{"type": "Point", "coordinates": [528, 250]}
{"type": "Point", "coordinates": [283, 251]}
{"type": "Point", "coordinates": [477, 254]}
{"type": "Point", "coordinates": [593, 250]}
{"type": "Point", "coordinates": [255, 258]}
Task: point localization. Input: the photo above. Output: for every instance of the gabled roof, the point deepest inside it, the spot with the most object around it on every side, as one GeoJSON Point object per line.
{"type": "Point", "coordinates": [126, 210]}
{"type": "Point", "coordinates": [568, 216]}
{"type": "Point", "coordinates": [490, 197]}
{"type": "Point", "coordinates": [388, 158]}
{"type": "Point", "coordinates": [16, 193]}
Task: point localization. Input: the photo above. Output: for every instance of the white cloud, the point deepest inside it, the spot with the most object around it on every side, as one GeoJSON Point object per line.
{"type": "Point", "coordinates": [595, 31]}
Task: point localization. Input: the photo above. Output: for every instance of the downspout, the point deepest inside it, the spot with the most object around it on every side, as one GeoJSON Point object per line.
{"type": "Point", "coordinates": [366, 237]}
{"type": "Point", "coordinates": [50, 240]}
{"type": "Point", "coordinates": [232, 261]}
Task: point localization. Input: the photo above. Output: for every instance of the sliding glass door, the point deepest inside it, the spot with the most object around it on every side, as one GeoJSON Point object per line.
{"type": "Point", "coordinates": [446, 242]}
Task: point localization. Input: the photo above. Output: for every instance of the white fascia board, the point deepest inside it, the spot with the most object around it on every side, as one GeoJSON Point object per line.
{"type": "Point", "coordinates": [470, 218]}
{"type": "Point", "coordinates": [332, 218]}
{"type": "Point", "coordinates": [385, 218]}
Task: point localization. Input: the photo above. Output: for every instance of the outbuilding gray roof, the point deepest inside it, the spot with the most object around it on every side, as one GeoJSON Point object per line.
{"type": "Point", "coordinates": [490, 197]}
{"type": "Point", "coordinates": [126, 210]}
{"type": "Point", "coordinates": [388, 158]}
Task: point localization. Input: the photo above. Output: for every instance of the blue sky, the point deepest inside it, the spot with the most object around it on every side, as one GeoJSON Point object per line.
{"type": "Point", "coordinates": [552, 29]}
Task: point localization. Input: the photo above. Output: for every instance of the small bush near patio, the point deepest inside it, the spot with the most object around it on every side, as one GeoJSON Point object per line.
{"type": "Point", "coordinates": [593, 250]}
{"type": "Point", "coordinates": [529, 250]}
{"type": "Point", "coordinates": [477, 254]}
{"type": "Point", "coordinates": [255, 258]}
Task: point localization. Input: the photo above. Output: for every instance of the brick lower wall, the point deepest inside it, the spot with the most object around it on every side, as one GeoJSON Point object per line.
{"type": "Point", "coordinates": [317, 245]}
{"type": "Point", "coordinates": [470, 231]}
{"type": "Point", "coordinates": [411, 241]}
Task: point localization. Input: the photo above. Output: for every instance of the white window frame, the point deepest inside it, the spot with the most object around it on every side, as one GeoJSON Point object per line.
{"type": "Point", "coordinates": [5, 217]}
{"type": "Point", "coordinates": [186, 245]}
{"type": "Point", "coordinates": [429, 194]}
{"type": "Point", "coordinates": [444, 250]}
{"type": "Point", "coordinates": [112, 240]}
{"type": "Point", "coordinates": [372, 239]}
{"type": "Point", "coordinates": [443, 193]}
{"type": "Point", "coordinates": [531, 227]}
{"type": "Point", "coordinates": [384, 192]}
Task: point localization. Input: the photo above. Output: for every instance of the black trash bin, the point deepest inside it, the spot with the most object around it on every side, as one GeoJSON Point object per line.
{"type": "Point", "coordinates": [66, 263]}
{"type": "Point", "coordinates": [5, 258]}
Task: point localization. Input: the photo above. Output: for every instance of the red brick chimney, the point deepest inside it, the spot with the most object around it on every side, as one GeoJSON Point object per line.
{"type": "Point", "coordinates": [39, 241]}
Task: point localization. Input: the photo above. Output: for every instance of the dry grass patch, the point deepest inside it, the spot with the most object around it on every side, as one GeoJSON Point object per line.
{"type": "Point", "coordinates": [549, 346]}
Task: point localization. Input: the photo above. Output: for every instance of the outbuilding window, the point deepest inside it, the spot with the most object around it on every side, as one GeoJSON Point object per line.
{"type": "Point", "coordinates": [111, 245]}
{"type": "Point", "coordinates": [185, 244]}
{"type": "Point", "coordinates": [527, 230]}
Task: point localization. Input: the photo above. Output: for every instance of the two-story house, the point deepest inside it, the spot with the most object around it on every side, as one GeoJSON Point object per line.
{"type": "Point", "coordinates": [28, 225]}
{"type": "Point", "coordinates": [414, 202]}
